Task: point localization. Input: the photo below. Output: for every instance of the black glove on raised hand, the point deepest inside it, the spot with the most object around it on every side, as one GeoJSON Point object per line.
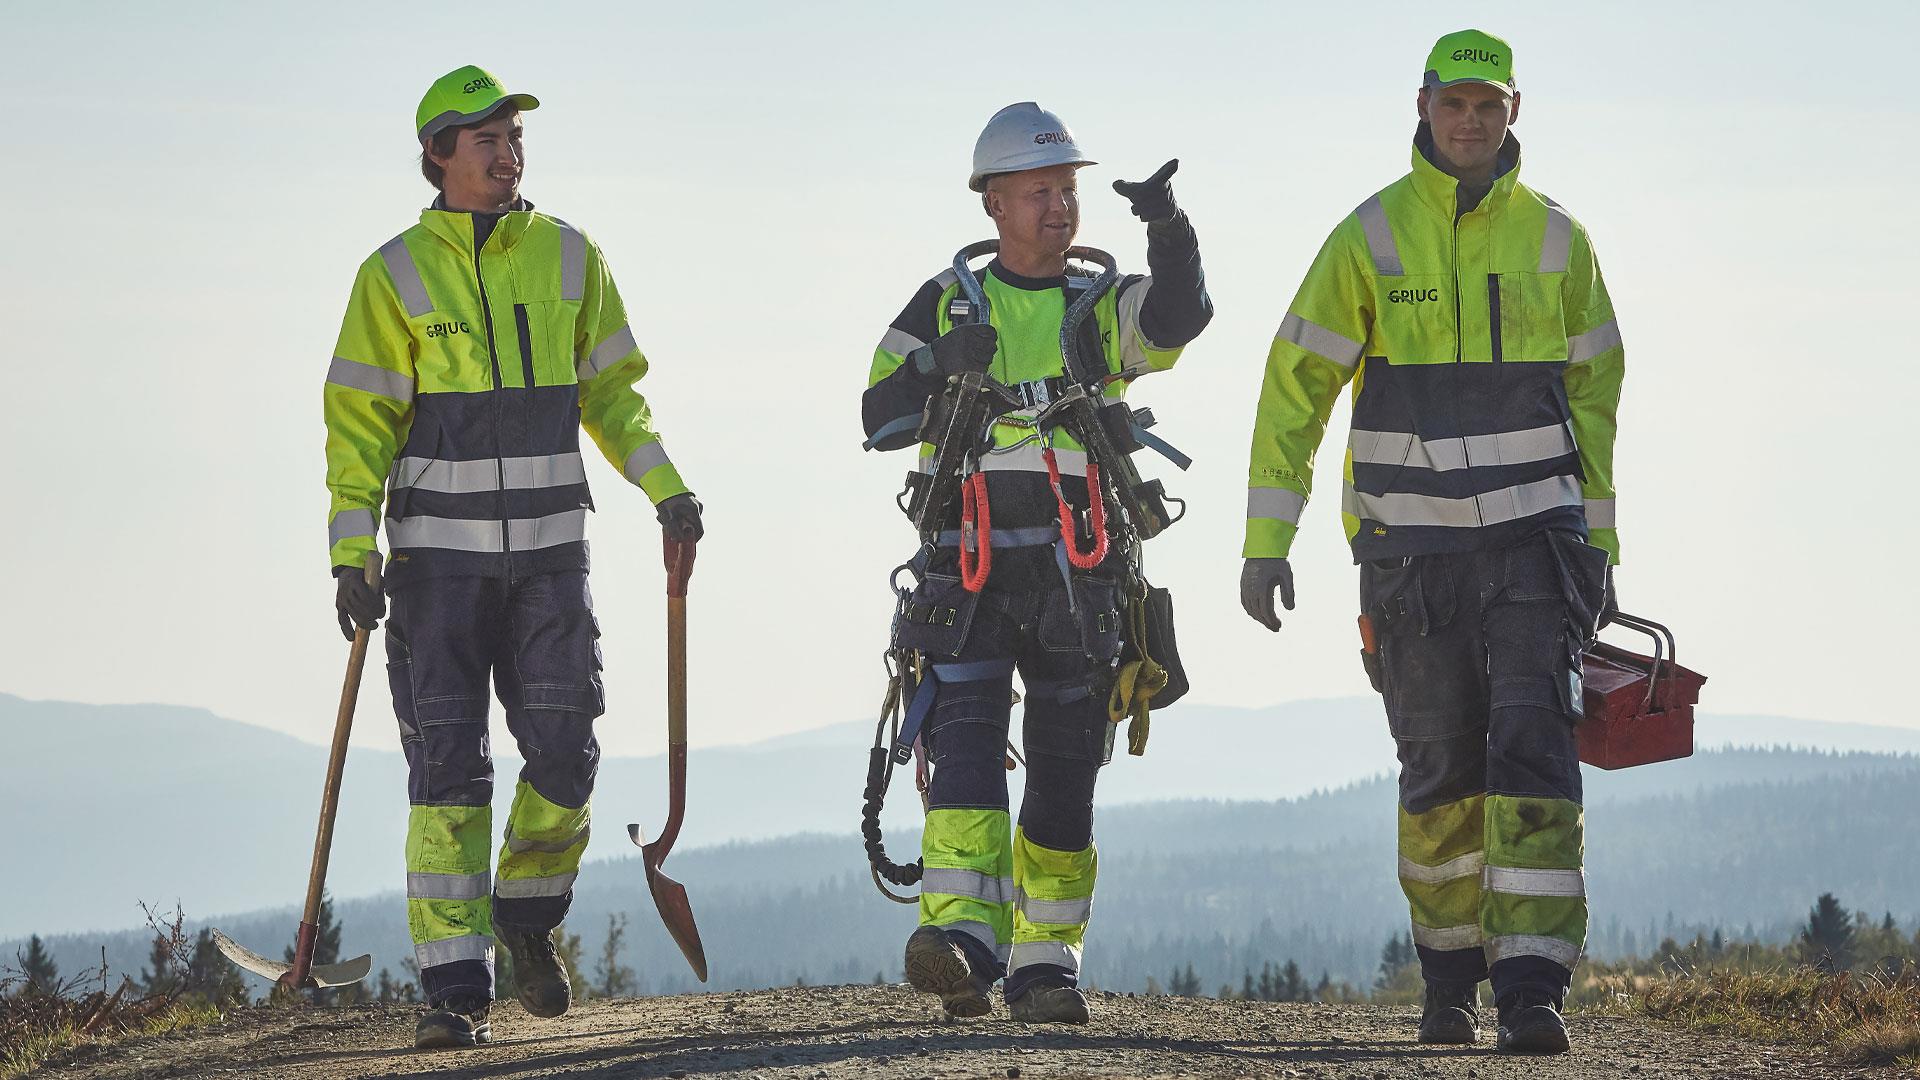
{"type": "Point", "coordinates": [1257, 580]}
{"type": "Point", "coordinates": [356, 602]}
{"type": "Point", "coordinates": [680, 518]}
{"type": "Point", "coordinates": [965, 349]}
{"type": "Point", "coordinates": [1152, 198]}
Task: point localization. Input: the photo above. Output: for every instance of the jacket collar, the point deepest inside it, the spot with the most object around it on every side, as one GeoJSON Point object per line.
{"type": "Point", "coordinates": [456, 226]}
{"type": "Point", "coordinates": [1442, 192]}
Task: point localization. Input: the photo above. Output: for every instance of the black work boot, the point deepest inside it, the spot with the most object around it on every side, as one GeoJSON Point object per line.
{"type": "Point", "coordinates": [456, 1022]}
{"type": "Point", "coordinates": [1451, 1015]}
{"type": "Point", "coordinates": [936, 964]}
{"type": "Point", "coordinates": [544, 989]}
{"type": "Point", "coordinates": [1531, 1024]}
{"type": "Point", "coordinates": [1050, 1005]}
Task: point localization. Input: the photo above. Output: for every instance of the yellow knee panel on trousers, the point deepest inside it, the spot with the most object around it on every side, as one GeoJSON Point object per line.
{"type": "Point", "coordinates": [448, 893]}
{"type": "Point", "coordinates": [543, 846]}
{"type": "Point", "coordinates": [968, 883]}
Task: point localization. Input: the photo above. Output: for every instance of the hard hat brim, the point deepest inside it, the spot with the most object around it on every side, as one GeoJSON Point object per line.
{"type": "Point", "coordinates": [978, 181]}
{"type": "Point", "coordinates": [452, 118]}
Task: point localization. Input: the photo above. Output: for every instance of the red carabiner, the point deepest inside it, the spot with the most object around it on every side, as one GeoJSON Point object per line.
{"type": "Point", "coordinates": [976, 524]}
{"type": "Point", "coordinates": [1096, 511]}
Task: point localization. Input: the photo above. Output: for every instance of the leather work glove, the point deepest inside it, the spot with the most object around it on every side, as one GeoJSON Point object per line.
{"type": "Point", "coordinates": [356, 602]}
{"type": "Point", "coordinates": [1257, 580]}
{"type": "Point", "coordinates": [680, 518]}
{"type": "Point", "coordinates": [1152, 198]}
{"type": "Point", "coordinates": [963, 350]}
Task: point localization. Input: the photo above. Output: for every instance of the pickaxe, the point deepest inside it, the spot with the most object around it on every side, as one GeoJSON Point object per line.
{"type": "Point", "coordinates": [669, 895]}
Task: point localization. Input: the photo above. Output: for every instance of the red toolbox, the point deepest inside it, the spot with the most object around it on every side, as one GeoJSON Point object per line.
{"type": "Point", "coordinates": [1639, 709]}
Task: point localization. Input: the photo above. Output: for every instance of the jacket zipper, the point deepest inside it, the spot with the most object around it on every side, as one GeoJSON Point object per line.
{"type": "Point", "coordinates": [1459, 349]}
{"type": "Point", "coordinates": [499, 466]}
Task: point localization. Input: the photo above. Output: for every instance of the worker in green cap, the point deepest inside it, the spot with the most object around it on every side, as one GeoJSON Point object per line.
{"type": "Point", "coordinates": [475, 347]}
{"type": "Point", "coordinates": [1469, 314]}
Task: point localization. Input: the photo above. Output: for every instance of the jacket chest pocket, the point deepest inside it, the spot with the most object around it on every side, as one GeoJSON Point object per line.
{"type": "Point", "coordinates": [544, 329]}
{"type": "Point", "coordinates": [1532, 323]}
{"type": "Point", "coordinates": [1414, 318]}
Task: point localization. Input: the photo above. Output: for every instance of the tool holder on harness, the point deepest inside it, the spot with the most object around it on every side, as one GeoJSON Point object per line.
{"type": "Point", "coordinates": [1638, 709]}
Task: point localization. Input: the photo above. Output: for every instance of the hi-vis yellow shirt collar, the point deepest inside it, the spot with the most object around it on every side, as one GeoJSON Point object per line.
{"type": "Point", "coordinates": [456, 226]}
{"type": "Point", "coordinates": [1441, 192]}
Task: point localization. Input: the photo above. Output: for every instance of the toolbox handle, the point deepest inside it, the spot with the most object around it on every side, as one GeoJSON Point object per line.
{"type": "Point", "coordinates": [1664, 650]}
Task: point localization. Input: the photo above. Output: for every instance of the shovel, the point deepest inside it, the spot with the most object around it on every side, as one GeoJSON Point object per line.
{"type": "Point", "coordinates": [669, 895]}
{"type": "Point", "coordinates": [302, 974]}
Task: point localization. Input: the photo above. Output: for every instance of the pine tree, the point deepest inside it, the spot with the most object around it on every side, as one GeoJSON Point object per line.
{"type": "Point", "coordinates": [1827, 939]}
{"type": "Point", "coordinates": [1246, 987]}
{"type": "Point", "coordinates": [1293, 987]}
{"type": "Point", "coordinates": [210, 978]}
{"type": "Point", "coordinates": [159, 979]}
{"type": "Point", "coordinates": [612, 978]}
{"type": "Point", "coordinates": [568, 947]}
{"type": "Point", "coordinates": [326, 950]}
{"type": "Point", "coordinates": [1398, 953]}
{"type": "Point", "coordinates": [43, 977]}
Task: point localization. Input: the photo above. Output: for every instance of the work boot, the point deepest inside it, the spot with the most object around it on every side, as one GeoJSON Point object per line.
{"type": "Point", "coordinates": [456, 1022]}
{"type": "Point", "coordinates": [1451, 1015]}
{"type": "Point", "coordinates": [936, 964]}
{"type": "Point", "coordinates": [544, 988]}
{"type": "Point", "coordinates": [1530, 1024]}
{"type": "Point", "coordinates": [1050, 1005]}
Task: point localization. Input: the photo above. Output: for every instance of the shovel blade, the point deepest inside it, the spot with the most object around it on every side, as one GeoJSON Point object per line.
{"type": "Point", "coordinates": [670, 897]}
{"type": "Point", "coordinates": [319, 977]}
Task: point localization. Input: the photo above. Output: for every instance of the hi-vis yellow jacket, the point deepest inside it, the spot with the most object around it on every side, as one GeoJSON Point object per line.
{"type": "Point", "coordinates": [458, 388]}
{"type": "Point", "coordinates": [1486, 367]}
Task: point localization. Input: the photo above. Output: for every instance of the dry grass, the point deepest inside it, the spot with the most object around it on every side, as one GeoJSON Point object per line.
{"type": "Point", "coordinates": [1864, 1018]}
{"type": "Point", "coordinates": [34, 1027]}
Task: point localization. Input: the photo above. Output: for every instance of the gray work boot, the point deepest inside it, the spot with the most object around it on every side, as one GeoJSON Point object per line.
{"type": "Point", "coordinates": [544, 988]}
{"type": "Point", "coordinates": [1531, 1025]}
{"type": "Point", "coordinates": [1050, 1005]}
{"type": "Point", "coordinates": [936, 964]}
{"type": "Point", "coordinates": [1451, 1014]}
{"type": "Point", "coordinates": [457, 1022]}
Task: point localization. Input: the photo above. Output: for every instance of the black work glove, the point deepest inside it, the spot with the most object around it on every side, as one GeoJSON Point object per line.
{"type": "Point", "coordinates": [356, 602]}
{"type": "Point", "coordinates": [963, 350]}
{"type": "Point", "coordinates": [680, 518]}
{"type": "Point", "coordinates": [1610, 605]}
{"type": "Point", "coordinates": [1257, 580]}
{"type": "Point", "coordinates": [1152, 198]}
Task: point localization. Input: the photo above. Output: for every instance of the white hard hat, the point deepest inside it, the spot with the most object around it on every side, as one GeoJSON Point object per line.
{"type": "Point", "coordinates": [1022, 136]}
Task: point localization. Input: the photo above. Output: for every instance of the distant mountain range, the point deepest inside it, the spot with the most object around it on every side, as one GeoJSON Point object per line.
{"type": "Point", "coordinates": [1740, 840]}
{"type": "Point", "coordinates": [115, 804]}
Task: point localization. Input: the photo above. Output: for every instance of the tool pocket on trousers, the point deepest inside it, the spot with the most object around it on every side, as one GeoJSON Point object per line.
{"type": "Point", "coordinates": [1088, 622]}
{"type": "Point", "coordinates": [936, 617]}
{"type": "Point", "coordinates": [1583, 581]}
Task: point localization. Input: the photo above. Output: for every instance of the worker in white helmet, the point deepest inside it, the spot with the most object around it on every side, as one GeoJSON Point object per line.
{"type": "Point", "coordinates": [999, 899]}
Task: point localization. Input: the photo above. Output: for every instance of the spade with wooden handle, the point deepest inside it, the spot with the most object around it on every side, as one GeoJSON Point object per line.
{"type": "Point", "coordinates": [303, 974]}
{"type": "Point", "coordinates": [669, 895]}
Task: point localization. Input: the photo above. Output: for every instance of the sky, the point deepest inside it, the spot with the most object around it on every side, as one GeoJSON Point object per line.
{"type": "Point", "coordinates": [193, 187]}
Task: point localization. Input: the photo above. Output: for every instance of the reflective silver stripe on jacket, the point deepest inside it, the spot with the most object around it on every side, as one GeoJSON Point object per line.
{"type": "Point", "coordinates": [1321, 341]}
{"type": "Point", "coordinates": [1386, 254]}
{"type": "Point", "coordinates": [1600, 514]}
{"type": "Point", "coordinates": [1558, 240]}
{"type": "Point", "coordinates": [1448, 938]}
{"type": "Point", "coordinates": [953, 881]}
{"type": "Point", "coordinates": [547, 847]}
{"type": "Point", "coordinates": [573, 263]}
{"type": "Point", "coordinates": [483, 535]}
{"type": "Point", "coordinates": [899, 342]}
{"type": "Point", "coordinates": [421, 886]}
{"type": "Point", "coordinates": [981, 933]}
{"type": "Point", "coordinates": [1134, 344]}
{"type": "Point", "coordinates": [453, 950]}
{"type": "Point", "coordinates": [1074, 912]}
{"type": "Point", "coordinates": [1519, 881]}
{"type": "Point", "coordinates": [1468, 865]}
{"type": "Point", "coordinates": [406, 277]}
{"type": "Point", "coordinates": [1584, 347]}
{"type": "Point", "coordinates": [1447, 455]}
{"type": "Point", "coordinates": [371, 379]}
{"type": "Point", "coordinates": [1277, 503]}
{"type": "Point", "coordinates": [348, 524]}
{"type": "Point", "coordinates": [487, 474]}
{"type": "Point", "coordinates": [1027, 458]}
{"type": "Point", "coordinates": [1493, 508]}
{"type": "Point", "coordinates": [534, 888]}
{"type": "Point", "coordinates": [1056, 953]}
{"type": "Point", "coordinates": [607, 353]}
{"type": "Point", "coordinates": [645, 459]}
{"type": "Point", "coordinates": [1503, 946]}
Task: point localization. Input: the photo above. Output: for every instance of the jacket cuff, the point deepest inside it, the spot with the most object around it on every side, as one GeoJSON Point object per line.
{"type": "Point", "coordinates": [1268, 538]}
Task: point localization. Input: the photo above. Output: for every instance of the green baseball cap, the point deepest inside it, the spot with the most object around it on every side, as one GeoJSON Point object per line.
{"type": "Point", "coordinates": [1466, 56]}
{"type": "Point", "coordinates": [462, 96]}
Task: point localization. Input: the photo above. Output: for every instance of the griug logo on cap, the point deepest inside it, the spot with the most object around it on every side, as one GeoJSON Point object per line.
{"type": "Point", "coordinates": [1046, 137]}
{"type": "Point", "coordinates": [1480, 56]}
{"type": "Point", "coordinates": [478, 84]}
